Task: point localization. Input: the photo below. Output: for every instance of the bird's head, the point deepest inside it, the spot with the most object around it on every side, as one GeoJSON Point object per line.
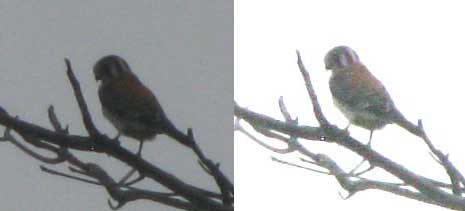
{"type": "Point", "coordinates": [340, 57]}
{"type": "Point", "coordinates": [110, 67]}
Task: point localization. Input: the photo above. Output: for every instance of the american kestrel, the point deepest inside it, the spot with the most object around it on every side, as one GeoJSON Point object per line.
{"type": "Point", "coordinates": [130, 106]}
{"type": "Point", "coordinates": [360, 96]}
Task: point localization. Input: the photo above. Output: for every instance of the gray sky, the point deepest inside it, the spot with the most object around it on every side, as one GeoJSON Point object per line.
{"type": "Point", "coordinates": [182, 50]}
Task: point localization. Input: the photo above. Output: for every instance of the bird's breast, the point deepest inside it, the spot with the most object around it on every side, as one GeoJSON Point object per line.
{"type": "Point", "coordinates": [360, 118]}
{"type": "Point", "coordinates": [130, 128]}
{"type": "Point", "coordinates": [114, 119]}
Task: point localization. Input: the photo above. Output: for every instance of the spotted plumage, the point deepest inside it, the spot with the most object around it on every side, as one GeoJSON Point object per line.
{"type": "Point", "coordinates": [359, 95]}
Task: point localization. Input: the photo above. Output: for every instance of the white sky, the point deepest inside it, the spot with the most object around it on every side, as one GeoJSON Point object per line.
{"type": "Point", "coordinates": [414, 47]}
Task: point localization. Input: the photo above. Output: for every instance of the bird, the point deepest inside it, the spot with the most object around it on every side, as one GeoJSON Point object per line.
{"type": "Point", "coordinates": [129, 105]}
{"type": "Point", "coordinates": [359, 95]}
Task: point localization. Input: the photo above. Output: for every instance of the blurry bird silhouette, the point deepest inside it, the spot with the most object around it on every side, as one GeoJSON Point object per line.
{"type": "Point", "coordinates": [130, 106]}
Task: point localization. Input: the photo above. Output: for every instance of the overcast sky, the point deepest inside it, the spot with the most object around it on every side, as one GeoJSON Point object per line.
{"type": "Point", "coordinates": [414, 47]}
{"type": "Point", "coordinates": [181, 50]}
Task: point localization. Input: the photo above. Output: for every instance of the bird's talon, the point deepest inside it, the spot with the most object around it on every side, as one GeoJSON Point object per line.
{"type": "Point", "coordinates": [117, 136]}
{"type": "Point", "coordinates": [346, 132]}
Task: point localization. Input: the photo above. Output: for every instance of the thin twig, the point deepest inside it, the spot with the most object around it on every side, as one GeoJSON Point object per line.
{"type": "Point", "coordinates": [226, 187]}
{"type": "Point", "coordinates": [311, 93]}
{"type": "Point", "coordinates": [7, 136]}
{"type": "Point", "coordinates": [54, 172]}
{"type": "Point", "coordinates": [263, 144]}
{"type": "Point", "coordinates": [298, 166]}
{"type": "Point", "coordinates": [87, 119]}
{"type": "Point", "coordinates": [455, 175]}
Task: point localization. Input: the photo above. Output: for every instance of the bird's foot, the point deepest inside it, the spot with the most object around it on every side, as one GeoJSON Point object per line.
{"type": "Point", "coordinates": [124, 181]}
{"type": "Point", "coordinates": [354, 172]}
{"type": "Point", "coordinates": [368, 144]}
{"type": "Point", "coordinates": [116, 137]}
{"type": "Point", "coordinates": [346, 132]}
{"type": "Point", "coordinates": [347, 127]}
{"type": "Point", "coordinates": [134, 181]}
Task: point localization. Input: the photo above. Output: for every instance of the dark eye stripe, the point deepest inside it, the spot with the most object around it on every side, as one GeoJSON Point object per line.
{"type": "Point", "coordinates": [343, 60]}
{"type": "Point", "coordinates": [111, 69]}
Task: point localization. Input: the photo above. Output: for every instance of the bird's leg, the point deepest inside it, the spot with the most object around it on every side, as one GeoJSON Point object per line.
{"type": "Point", "coordinates": [136, 180]}
{"type": "Point", "coordinates": [369, 141]}
{"type": "Point", "coordinates": [352, 172]}
{"type": "Point", "coordinates": [347, 127]}
{"type": "Point", "coordinates": [130, 173]}
{"type": "Point", "coordinates": [123, 180]}
{"type": "Point", "coordinates": [139, 152]}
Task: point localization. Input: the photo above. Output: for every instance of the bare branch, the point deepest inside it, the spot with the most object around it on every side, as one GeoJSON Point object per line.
{"type": "Point", "coordinates": [454, 174]}
{"type": "Point", "coordinates": [54, 172]}
{"type": "Point", "coordinates": [419, 182]}
{"type": "Point", "coordinates": [54, 120]}
{"type": "Point", "coordinates": [263, 144]}
{"type": "Point", "coordinates": [87, 119]}
{"type": "Point", "coordinates": [299, 166]}
{"type": "Point", "coordinates": [58, 141]}
{"type": "Point", "coordinates": [311, 93]}
{"type": "Point", "coordinates": [223, 182]}
{"type": "Point", "coordinates": [284, 111]}
{"type": "Point", "coordinates": [429, 190]}
{"type": "Point", "coordinates": [259, 120]}
{"type": "Point", "coordinates": [7, 136]}
{"type": "Point", "coordinates": [362, 184]}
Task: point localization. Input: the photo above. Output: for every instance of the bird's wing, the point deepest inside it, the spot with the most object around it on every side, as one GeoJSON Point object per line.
{"type": "Point", "coordinates": [359, 89]}
{"type": "Point", "coordinates": [130, 100]}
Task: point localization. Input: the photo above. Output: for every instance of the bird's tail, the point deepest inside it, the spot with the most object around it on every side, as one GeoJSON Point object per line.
{"type": "Point", "coordinates": [400, 120]}
{"type": "Point", "coordinates": [170, 130]}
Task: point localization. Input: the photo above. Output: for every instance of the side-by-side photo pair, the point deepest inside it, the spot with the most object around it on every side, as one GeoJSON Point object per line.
{"type": "Point", "coordinates": [231, 105]}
